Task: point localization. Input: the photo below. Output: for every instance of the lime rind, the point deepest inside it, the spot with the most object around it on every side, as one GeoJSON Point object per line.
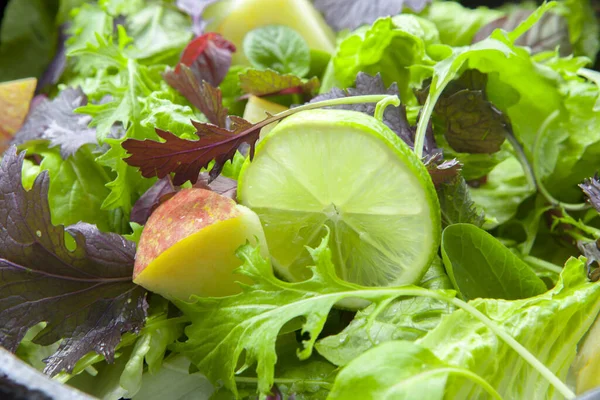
{"type": "Point", "coordinates": [351, 172]}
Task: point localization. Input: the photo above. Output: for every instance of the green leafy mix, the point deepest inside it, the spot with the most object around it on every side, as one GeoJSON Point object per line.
{"type": "Point", "coordinates": [500, 105]}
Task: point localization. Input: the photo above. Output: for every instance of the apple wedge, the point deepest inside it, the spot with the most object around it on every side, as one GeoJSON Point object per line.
{"type": "Point", "coordinates": [188, 245]}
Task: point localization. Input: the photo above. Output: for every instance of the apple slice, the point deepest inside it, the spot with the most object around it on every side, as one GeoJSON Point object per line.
{"type": "Point", "coordinates": [234, 19]}
{"type": "Point", "coordinates": [188, 245]}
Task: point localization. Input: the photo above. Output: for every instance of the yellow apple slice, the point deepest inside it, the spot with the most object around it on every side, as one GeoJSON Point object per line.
{"type": "Point", "coordinates": [234, 19]}
{"type": "Point", "coordinates": [188, 246]}
{"type": "Point", "coordinates": [15, 98]}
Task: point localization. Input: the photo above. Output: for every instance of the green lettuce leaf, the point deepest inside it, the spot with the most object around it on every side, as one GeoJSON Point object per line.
{"type": "Point", "coordinates": [402, 319]}
{"type": "Point", "coordinates": [224, 328]}
{"type": "Point", "coordinates": [549, 325]}
{"type": "Point", "coordinates": [457, 25]}
{"type": "Point", "coordinates": [400, 370]}
{"type": "Point", "coordinates": [393, 47]}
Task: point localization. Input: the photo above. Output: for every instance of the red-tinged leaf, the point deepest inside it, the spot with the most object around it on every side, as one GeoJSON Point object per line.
{"type": "Point", "coordinates": [209, 58]}
{"type": "Point", "coordinates": [269, 82]}
{"type": "Point", "coordinates": [204, 96]}
{"type": "Point", "coordinates": [186, 158]}
{"type": "Point", "coordinates": [85, 295]}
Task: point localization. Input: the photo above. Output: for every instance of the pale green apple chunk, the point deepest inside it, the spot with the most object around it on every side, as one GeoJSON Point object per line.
{"type": "Point", "coordinates": [188, 246]}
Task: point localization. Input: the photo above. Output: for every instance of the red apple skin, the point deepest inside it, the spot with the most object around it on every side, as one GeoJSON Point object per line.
{"type": "Point", "coordinates": [184, 214]}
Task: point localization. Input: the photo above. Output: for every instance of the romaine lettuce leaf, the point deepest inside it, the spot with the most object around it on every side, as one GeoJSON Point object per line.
{"type": "Point", "coordinates": [549, 325]}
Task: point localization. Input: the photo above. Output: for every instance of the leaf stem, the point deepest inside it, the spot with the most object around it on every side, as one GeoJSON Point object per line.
{"type": "Point", "coordinates": [244, 379]}
{"type": "Point", "coordinates": [518, 347]}
{"type": "Point", "coordinates": [542, 264]}
{"type": "Point", "coordinates": [465, 373]}
{"type": "Point", "coordinates": [537, 144]}
{"type": "Point", "coordinates": [424, 121]}
{"type": "Point", "coordinates": [525, 165]}
{"type": "Point", "coordinates": [383, 104]}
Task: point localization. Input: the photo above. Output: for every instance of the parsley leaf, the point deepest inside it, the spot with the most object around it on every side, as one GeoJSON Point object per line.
{"type": "Point", "coordinates": [85, 293]}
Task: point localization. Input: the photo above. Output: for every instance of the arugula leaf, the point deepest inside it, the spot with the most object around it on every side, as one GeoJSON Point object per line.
{"type": "Point", "coordinates": [400, 370]}
{"type": "Point", "coordinates": [54, 121]}
{"type": "Point", "coordinates": [402, 319]}
{"type": "Point", "coordinates": [550, 326]}
{"type": "Point", "coordinates": [340, 14]}
{"type": "Point", "coordinates": [394, 117]}
{"type": "Point", "coordinates": [277, 47]}
{"type": "Point", "coordinates": [204, 96]}
{"type": "Point", "coordinates": [482, 267]}
{"type": "Point", "coordinates": [88, 21]}
{"type": "Point", "coordinates": [84, 292]}
{"type": "Point", "coordinates": [456, 204]}
{"type": "Point", "coordinates": [15, 100]}
{"type": "Point", "coordinates": [591, 188]}
{"type": "Point", "coordinates": [25, 52]}
{"type": "Point", "coordinates": [269, 82]}
{"type": "Point", "coordinates": [223, 328]}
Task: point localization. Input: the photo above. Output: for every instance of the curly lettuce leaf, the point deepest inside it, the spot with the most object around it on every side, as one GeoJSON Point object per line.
{"type": "Point", "coordinates": [81, 287]}
{"type": "Point", "coordinates": [394, 47]}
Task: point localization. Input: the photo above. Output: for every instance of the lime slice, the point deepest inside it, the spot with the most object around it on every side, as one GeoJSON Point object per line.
{"type": "Point", "coordinates": [346, 170]}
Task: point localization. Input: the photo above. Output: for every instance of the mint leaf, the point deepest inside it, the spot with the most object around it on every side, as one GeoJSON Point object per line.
{"type": "Point", "coordinates": [482, 267]}
{"type": "Point", "coordinates": [269, 82]}
{"type": "Point", "coordinates": [85, 293]}
{"type": "Point", "coordinates": [55, 121]}
{"type": "Point", "coordinates": [277, 47]}
{"type": "Point", "coordinates": [341, 14]}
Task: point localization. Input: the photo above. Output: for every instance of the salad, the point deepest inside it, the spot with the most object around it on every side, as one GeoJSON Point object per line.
{"type": "Point", "coordinates": [295, 199]}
